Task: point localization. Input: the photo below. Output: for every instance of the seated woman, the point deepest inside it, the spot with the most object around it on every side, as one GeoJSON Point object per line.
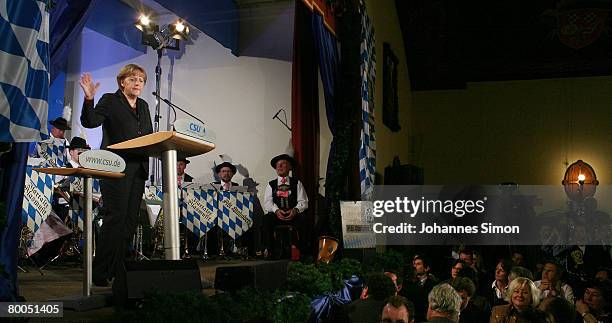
{"type": "Point", "coordinates": [596, 305]}
{"type": "Point", "coordinates": [522, 295]}
{"type": "Point", "coordinates": [497, 292]}
{"type": "Point", "coordinates": [457, 266]}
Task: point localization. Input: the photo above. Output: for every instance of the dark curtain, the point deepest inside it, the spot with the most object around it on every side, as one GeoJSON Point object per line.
{"type": "Point", "coordinates": [12, 178]}
{"type": "Point", "coordinates": [342, 178]}
{"type": "Point", "coordinates": [327, 49]}
{"type": "Point", "coordinates": [66, 21]}
{"type": "Point", "coordinates": [305, 113]}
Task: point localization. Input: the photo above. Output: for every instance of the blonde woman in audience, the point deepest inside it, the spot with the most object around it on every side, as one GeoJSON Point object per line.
{"type": "Point", "coordinates": [522, 295]}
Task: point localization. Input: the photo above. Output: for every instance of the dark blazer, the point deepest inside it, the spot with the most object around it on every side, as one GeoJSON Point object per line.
{"type": "Point", "coordinates": [188, 178]}
{"type": "Point", "coordinates": [417, 294]}
{"type": "Point", "coordinates": [119, 123]}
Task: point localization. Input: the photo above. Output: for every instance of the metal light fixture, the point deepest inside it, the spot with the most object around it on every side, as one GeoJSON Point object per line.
{"type": "Point", "coordinates": [580, 181]}
{"type": "Point", "coordinates": [179, 30]}
{"type": "Point", "coordinates": [143, 23]}
{"type": "Point", "coordinates": [159, 37]}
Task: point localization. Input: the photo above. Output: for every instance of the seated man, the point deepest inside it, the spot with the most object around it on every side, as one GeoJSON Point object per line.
{"type": "Point", "coordinates": [225, 171]}
{"type": "Point", "coordinates": [60, 196]}
{"type": "Point", "coordinates": [56, 137]}
{"type": "Point", "coordinates": [470, 311]}
{"type": "Point", "coordinates": [551, 284]}
{"type": "Point", "coordinates": [216, 236]}
{"type": "Point", "coordinates": [58, 128]}
{"type": "Point", "coordinates": [182, 177]}
{"type": "Point", "coordinates": [418, 285]}
{"type": "Point", "coordinates": [444, 304]}
{"type": "Point", "coordinates": [284, 199]}
{"type": "Point", "coordinates": [77, 146]}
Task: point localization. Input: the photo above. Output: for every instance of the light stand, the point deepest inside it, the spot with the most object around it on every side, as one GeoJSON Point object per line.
{"type": "Point", "coordinates": [167, 37]}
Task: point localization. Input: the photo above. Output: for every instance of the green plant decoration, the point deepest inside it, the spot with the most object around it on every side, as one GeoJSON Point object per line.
{"type": "Point", "coordinates": [307, 279]}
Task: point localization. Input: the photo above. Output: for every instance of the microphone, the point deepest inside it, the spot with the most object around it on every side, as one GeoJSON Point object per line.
{"type": "Point", "coordinates": [173, 106]}
{"type": "Point", "coordinates": [167, 102]}
{"type": "Point", "coordinates": [276, 115]}
{"type": "Point", "coordinates": [279, 119]}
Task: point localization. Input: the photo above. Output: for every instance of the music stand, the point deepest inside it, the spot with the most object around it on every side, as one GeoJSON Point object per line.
{"type": "Point", "coordinates": [86, 301]}
{"type": "Point", "coordinates": [168, 145]}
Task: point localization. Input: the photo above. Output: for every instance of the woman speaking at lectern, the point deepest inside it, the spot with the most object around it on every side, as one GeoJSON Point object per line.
{"type": "Point", "coordinates": [123, 116]}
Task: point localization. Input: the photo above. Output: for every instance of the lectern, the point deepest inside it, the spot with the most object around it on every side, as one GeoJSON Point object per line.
{"type": "Point", "coordinates": [167, 145]}
{"type": "Point", "coordinates": [88, 175]}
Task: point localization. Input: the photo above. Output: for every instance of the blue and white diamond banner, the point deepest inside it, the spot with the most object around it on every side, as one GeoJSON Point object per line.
{"type": "Point", "coordinates": [235, 213]}
{"type": "Point", "coordinates": [200, 210]}
{"type": "Point", "coordinates": [37, 194]}
{"type": "Point", "coordinates": [24, 80]}
{"type": "Point", "coordinates": [367, 148]}
{"type": "Point", "coordinates": [153, 194]}
{"type": "Point", "coordinates": [53, 152]}
{"type": "Point", "coordinates": [77, 184]}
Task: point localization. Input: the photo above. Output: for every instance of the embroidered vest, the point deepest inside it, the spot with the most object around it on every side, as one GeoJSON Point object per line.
{"type": "Point", "coordinates": [284, 203]}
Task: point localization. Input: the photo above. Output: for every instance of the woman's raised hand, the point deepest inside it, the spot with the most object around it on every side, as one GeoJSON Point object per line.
{"type": "Point", "coordinates": [89, 87]}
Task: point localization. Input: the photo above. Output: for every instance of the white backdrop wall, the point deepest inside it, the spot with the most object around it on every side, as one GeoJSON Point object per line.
{"type": "Point", "coordinates": [235, 96]}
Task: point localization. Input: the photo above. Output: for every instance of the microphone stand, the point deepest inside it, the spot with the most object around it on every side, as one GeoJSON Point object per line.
{"type": "Point", "coordinates": [158, 72]}
{"type": "Point", "coordinates": [174, 106]}
{"type": "Point", "coordinates": [279, 119]}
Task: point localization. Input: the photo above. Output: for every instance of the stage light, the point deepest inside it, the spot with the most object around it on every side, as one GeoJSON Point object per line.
{"type": "Point", "coordinates": [179, 30]}
{"type": "Point", "coordinates": [143, 23]}
{"type": "Point", "coordinates": [179, 26]}
{"type": "Point", "coordinates": [160, 37]}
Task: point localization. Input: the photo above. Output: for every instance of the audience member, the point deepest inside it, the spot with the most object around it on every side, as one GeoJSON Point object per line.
{"type": "Point", "coordinates": [470, 311]}
{"type": "Point", "coordinates": [397, 310]}
{"type": "Point", "coordinates": [522, 294]}
{"type": "Point", "coordinates": [379, 288]}
{"type": "Point", "coordinates": [444, 304]}
{"type": "Point", "coordinates": [416, 288]}
{"type": "Point", "coordinates": [551, 284]}
{"type": "Point", "coordinates": [500, 284]}
{"type": "Point", "coordinates": [595, 305]}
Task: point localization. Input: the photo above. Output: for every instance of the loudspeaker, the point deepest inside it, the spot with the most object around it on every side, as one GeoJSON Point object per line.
{"type": "Point", "coordinates": [265, 275]}
{"type": "Point", "coordinates": [163, 275]}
